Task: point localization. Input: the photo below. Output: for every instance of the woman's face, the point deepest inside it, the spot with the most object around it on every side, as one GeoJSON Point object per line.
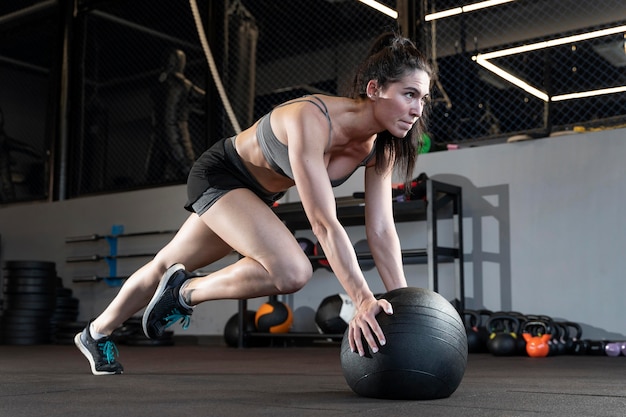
{"type": "Point", "coordinates": [400, 104]}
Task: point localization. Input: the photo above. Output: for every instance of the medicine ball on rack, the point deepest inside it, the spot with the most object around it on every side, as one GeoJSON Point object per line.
{"type": "Point", "coordinates": [319, 252]}
{"type": "Point", "coordinates": [334, 313]}
{"type": "Point", "coordinates": [425, 355]}
{"type": "Point", "coordinates": [231, 331]}
{"type": "Point", "coordinates": [307, 245]}
{"type": "Point", "coordinates": [273, 317]}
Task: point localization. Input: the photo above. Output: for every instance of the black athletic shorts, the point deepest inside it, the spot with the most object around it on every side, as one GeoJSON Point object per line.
{"type": "Point", "coordinates": [218, 171]}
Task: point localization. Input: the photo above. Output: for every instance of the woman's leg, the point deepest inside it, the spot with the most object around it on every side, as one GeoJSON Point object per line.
{"type": "Point", "coordinates": [194, 245]}
{"type": "Point", "coordinates": [272, 260]}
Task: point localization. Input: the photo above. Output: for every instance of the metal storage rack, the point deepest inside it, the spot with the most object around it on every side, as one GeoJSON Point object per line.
{"type": "Point", "coordinates": [441, 201]}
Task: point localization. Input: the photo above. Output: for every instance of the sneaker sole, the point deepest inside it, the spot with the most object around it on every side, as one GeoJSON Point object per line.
{"type": "Point", "coordinates": [157, 295]}
{"type": "Point", "coordinates": [87, 354]}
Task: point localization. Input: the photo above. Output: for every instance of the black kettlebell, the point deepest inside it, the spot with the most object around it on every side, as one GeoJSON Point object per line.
{"type": "Point", "coordinates": [482, 329]}
{"type": "Point", "coordinates": [521, 342]}
{"type": "Point", "coordinates": [503, 330]}
{"type": "Point", "coordinates": [575, 345]}
{"type": "Point", "coordinates": [472, 319]}
{"type": "Point", "coordinates": [563, 335]}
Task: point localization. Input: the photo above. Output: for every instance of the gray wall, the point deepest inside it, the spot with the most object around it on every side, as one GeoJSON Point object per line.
{"type": "Point", "coordinates": [542, 231]}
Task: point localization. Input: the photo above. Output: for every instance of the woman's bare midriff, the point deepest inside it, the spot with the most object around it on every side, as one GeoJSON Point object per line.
{"type": "Point", "coordinates": [250, 152]}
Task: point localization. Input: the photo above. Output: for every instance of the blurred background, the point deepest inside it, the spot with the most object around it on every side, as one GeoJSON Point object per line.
{"type": "Point", "coordinates": [108, 96]}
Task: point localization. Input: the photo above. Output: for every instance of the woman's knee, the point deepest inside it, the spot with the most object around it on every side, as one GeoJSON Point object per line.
{"type": "Point", "coordinates": [292, 274]}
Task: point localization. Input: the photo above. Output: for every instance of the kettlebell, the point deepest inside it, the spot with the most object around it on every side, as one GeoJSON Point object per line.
{"type": "Point", "coordinates": [552, 329]}
{"type": "Point", "coordinates": [574, 345]}
{"type": "Point", "coordinates": [536, 335]}
{"type": "Point", "coordinates": [563, 335]}
{"type": "Point", "coordinates": [521, 343]}
{"type": "Point", "coordinates": [613, 348]}
{"type": "Point", "coordinates": [482, 329]}
{"type": "Point", "coordinates": [472, 319]}
{"type": "Point", "coordinates": [503, 334]}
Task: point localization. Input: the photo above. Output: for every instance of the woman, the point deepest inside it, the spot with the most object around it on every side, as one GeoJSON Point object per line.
{"type": "Point", "coordinates": [313, 143]}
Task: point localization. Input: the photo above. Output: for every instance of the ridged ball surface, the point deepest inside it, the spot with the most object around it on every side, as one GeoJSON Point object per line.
{"type": "Point", "coordinates": [425, 355]}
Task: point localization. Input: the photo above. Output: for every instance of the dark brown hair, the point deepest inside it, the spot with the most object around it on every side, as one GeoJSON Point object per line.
{"type": "Point", "coordinates": [389, 59]}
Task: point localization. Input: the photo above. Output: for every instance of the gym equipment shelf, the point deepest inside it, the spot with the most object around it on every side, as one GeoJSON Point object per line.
{"type": "Point", "coordinates": [351, 212]}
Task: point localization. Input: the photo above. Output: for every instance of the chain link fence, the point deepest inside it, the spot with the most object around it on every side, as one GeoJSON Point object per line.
{"type": "Point", "coordinates": [535, 67]}
{"type": "Point", "coordinates": [145, 102]}
{"type": "Point", "coordinates": [150, 102]}
{"type": "Point", "coordinates": [26, 60]}
{"type": "Point", "coordinates": [142, 117]}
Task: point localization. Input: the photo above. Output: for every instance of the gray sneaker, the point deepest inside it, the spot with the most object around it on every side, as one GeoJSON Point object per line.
{"type": "Point", "coordinates": [165, 309]}
{"type": "Point", "coordinates": [100, 353]}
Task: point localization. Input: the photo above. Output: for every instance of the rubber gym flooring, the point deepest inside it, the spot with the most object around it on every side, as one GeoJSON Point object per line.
{"type": "Point", "coordinates": [190, 379]}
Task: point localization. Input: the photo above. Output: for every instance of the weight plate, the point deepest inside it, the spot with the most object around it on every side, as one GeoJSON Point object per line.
{"type": "Point", "coordinates": [17, 340]}
{"type": "Point", "coordinates": [24, 330]}
{"type": "Point", "coordinates": [69, 340]}
{"type": "Point", "coordinates": [31, 273]}
{"type": "Point", "coordinates": [35, 273]}
{"type": "Point", "coordinates": [64, 292]}
{"type": "Point", "coordinates": [6, 320]}
{"type": "Point", "coordinates": [22, 312]}
{"type": "Point", "coordinates": [71, 326]}
{"type": "Point", "coordinates": [65, 335]}
{"type": "Point", "coordinates": [67, 302]}
{"type": "Point", "coordinates": [29, 265]}
{"type": "Point", "coordinates": [15, 288]}
{"type": "Point", "coordinates": [65, 311]}
{"type": "Point", "coordinates": [46, 299]}
{"type": "Point", "coordinates": [59, 318]}
{"type": "Point", "coordinates": [34, 305]}
{"type": "Point", "coordinates": [34, 282]}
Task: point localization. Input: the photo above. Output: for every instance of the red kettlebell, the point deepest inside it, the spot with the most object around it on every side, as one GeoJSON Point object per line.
{"type": "Point", "coordinates": [537, 338]}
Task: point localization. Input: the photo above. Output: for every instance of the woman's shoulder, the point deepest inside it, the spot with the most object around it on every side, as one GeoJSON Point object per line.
{"type": "Point", "coordinates": [317, 100]}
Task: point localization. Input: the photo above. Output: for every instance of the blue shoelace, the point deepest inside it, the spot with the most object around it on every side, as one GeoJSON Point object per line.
{"type": "Point", "coordinates": [109, 350]}
{"type": "Point", "coordinates": [176, 315]}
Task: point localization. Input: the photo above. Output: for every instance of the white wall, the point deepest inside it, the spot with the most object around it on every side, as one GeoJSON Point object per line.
{"type": "Point", "coordinates": [542, 229]}
{"type": "Point", "coordinates": [544, 224]}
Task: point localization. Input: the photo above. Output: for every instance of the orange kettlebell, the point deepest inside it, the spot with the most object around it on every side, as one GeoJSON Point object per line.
{"type": "Point", "coordinates": [536, 337]}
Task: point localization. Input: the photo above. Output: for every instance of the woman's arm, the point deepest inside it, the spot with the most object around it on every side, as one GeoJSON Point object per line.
{"type": "Point", "coordinates": [307, 141]}
{"type": "Point", "coordinates": [380, 229]}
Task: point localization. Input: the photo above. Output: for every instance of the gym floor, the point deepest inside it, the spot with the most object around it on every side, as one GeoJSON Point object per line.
{"type": "Point", "coordinates": [190, 379]}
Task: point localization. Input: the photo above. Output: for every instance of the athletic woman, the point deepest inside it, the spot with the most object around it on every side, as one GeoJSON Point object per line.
{"type": "Point", "coordinates": [313, 143]}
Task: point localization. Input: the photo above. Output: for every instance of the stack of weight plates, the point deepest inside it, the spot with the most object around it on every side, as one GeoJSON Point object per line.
{"type": "Point", "coordinates": [63, 320]}
{"type": "Point", "coordinates": [29, 300]}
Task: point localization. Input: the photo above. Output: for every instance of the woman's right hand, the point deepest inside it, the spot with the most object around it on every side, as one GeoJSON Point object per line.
{"type": "Point", "coordinates": [365, 327]}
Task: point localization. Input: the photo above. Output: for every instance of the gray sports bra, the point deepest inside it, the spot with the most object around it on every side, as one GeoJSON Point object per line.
{"type": "Point", "coordinates": [276, 153]}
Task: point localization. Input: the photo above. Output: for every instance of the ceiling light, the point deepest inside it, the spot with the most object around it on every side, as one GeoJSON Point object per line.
{"type": "Point", "coordinates": [554, 42]}
{"type": "Point", "coordinates": [464, 9]}
{"type": "Point", "coordinates": [591, 93]}
{"type": "Point", "coordinates": [381, 8]}
{"type": "Point", "coordinates": [511, 78]}
{"type": "Point", "coordinates": [483, 60]}
{"type": "Point", "coordinates": [444, 13]}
